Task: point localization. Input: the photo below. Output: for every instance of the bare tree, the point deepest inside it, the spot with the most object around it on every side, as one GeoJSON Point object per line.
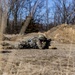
{"type": "Point", "coordinates": [72, 14]}
{"type": "Point", "coordinates": [47, 14]}
{"type": "Point", "coordinates": [13, 10]}
{"type": "Point", "coordinates": [61, 11]}
{"type": "Point", "coordinates": [0, 13]}
{"type": "Point", "coordinates": [4, 18]}
{"type": "Point", "coordinates": [26, 23]}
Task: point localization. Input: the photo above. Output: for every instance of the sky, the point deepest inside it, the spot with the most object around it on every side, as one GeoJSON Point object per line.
{"type": "Point", "coordinates": [50, 6]}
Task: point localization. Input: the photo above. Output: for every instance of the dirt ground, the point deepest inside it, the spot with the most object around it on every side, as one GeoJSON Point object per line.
{"type": "Point", "coordinates": [60, 61]}
{"type": "Point", "coordinates": [62, 33]}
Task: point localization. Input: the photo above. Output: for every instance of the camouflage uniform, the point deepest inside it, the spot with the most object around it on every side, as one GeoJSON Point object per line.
{"type": "Point", "coordinates": [35, 42]}
{"type": "Point", "coordinates": [39, 42]}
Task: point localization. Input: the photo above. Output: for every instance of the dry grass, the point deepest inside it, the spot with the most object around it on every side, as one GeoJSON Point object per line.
{"type": "Point", "coordinates": [39, 62]}
{"type": "Point", "coordinates": [62, 33]}
{"type": "Point", "coordinates": [60, 61]}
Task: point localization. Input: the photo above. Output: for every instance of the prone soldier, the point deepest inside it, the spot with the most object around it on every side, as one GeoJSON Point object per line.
{"type": "Point", "coordinates": [40, 42]}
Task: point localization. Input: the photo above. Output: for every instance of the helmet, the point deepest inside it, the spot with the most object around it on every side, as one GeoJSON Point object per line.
{"type": "Point", "coordinates": [41, 37]}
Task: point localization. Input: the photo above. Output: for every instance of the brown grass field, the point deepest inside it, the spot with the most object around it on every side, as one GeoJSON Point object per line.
{"type": "Point", "coordinates": [60, 61]}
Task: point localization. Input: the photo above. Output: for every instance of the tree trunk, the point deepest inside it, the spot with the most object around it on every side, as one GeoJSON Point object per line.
{"type": "Point", "coordinates": [0, 16]}
{"type": "Point", "coordinates": [47, 16]}
{"type": "Point", "coordinates": [3, 21]}
{"type": "Point", "coordinates": [3, 24]}
{"type": "Point", "coordinates": [28, 19]}
{"type": "Point", "coordinates": [0, 13]}
{"type": "Point", "coordinates": [24, 27]}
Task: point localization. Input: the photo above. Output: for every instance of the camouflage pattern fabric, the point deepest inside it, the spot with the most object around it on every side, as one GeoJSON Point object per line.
{"type": "Point", "coordinates": [35, 43]}
{"type": "Point", "coordinates": [39, 42]}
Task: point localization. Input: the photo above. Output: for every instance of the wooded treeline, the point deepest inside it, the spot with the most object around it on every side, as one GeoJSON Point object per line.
{"type": "Point", "coordinates": [41, 16]}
